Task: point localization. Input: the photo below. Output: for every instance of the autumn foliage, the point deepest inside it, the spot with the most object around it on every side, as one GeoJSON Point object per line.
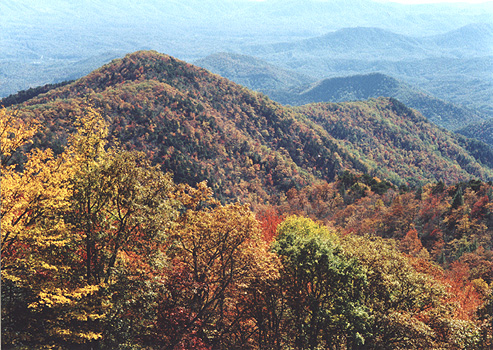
{"type": "Point", "coordinates": [257, 241]}
{"type": "Point", "coordinates": [100, 248]}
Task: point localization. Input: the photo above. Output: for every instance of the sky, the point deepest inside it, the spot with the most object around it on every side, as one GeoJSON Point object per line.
{"type": "Point", "coordinates": [434, 1]}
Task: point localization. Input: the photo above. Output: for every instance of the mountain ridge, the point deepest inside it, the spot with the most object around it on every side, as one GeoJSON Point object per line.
{"type": "Point", "coordinates": [287, 87]}
{"type": "Point", "coordinates": [364, 42]}
{"type": "Point", "coordinates": [204, 127]}
{"type": "Point", "coordinates": [364, 86]}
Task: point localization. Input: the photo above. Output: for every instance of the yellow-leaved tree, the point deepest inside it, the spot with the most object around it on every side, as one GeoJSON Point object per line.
{"type": "Point", "coordinates": [34, 235]}
{"type": "Point", "coordinates": [80, 233]}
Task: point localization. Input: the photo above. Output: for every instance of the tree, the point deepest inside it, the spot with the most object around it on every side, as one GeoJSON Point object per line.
{"type": "Point", "coordinates": [14, 133]}
{"type": "Point", "coordinates": [411, 244]}
{"type": "Point", "coordinates": [410, 308]}
{"type": "Point", "coordinates": [216, 253]}
{"type": "Point", "coordinates": [81, 230]}
{"type": "Point", "coordinates": [121, 212]}
{"type": "Point", "coordinates": [35, 238]}
{"type": "Point", "coordinates": [486, 316]}
{"type": "Point", "coordinates": [323, 287]}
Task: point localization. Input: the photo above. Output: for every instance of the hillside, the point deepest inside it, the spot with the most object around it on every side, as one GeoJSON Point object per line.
{"type": "Point", "coordinates": [203, 127]}
{"type": "Point", "coordinates": [470, 40]}
{"type": "Point", "coordinates": [363, 87]}
{"type": "Point", "coordinates": [17, 75]}
{"type": "Point", "coordinates": [386, 134]}
{"type": "Point", "coordinates": [252, 72]}
{"type": "Point", "coordinates": [482, 131]}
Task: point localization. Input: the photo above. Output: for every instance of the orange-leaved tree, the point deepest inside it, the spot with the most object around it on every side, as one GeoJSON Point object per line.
{"type": "Point", "coordinates": [217, 254]}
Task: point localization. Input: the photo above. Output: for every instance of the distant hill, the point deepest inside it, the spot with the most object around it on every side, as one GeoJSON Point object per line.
{"type": "Point", "coordinates": [482, 131]}
{"type": "Point", "coordinates": [252, 72]}
{"type": "Point", "coordinates": [455, 66]}
{"type": "Point", "coordinates": [204, 127]}
{"type": "Point", "coordinates": [288, 87]}
{"type": "Point", "coordinates": [363, 87]}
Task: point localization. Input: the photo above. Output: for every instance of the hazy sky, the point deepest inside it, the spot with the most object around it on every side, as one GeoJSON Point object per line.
{"type": "Point", "coordinates": [433, 1]}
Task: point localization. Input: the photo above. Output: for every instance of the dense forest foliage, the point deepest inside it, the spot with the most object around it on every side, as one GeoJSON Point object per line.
{"type": "Point", "coordinates": [203, 127]}
{"type": "Point", "coordinates": [481, 131]}
{"type": "Point", "coordinates": [153, 205]}
{"type": "Point", "coordinates": [100, 249]}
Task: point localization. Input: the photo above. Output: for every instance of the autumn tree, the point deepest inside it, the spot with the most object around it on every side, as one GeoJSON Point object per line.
{"type": "Point", "coordinates": [410, 308]}
{"type": "Point", "coordinates": [323, 287]}
{"type": "Point", "coordinates": [216, 252]}
{"type": "Point", "coordinates": [35, 238]}
{"type": "Point", "coordinates": [82, 229]}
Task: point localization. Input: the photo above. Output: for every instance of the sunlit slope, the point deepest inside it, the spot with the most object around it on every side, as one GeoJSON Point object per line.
{"type": "Point", "coordinates": [204, 127]}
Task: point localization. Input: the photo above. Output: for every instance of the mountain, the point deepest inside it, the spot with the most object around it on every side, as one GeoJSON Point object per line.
{"type": "Point", "coordinates": [252, 72]}
{"type": "Point", "coordinates": [363, 87]}
{"type": "Point", "coordinates": [42, 39]}
{"type": "Point", "coordinates": [204, 127]}
{"type": "Point", "coordinates": [482, 131]}
{"type": "Point", "coordinates": [357, 42]}
{"type": "Point", "coordinates": [471, 40]}
{"type": "Point", "coordinates": [455, 66]}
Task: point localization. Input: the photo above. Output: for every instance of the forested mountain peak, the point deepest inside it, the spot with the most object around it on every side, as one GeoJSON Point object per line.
{"type": "Point", "coordinates": [140, 65]}
{"type": "Point", "coordinates": [201, 126]}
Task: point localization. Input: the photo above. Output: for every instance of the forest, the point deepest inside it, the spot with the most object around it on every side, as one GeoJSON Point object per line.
{"type": "Point", "coordinates": [100, 249]}
{"type": "Point", "coordinates": [152, 205]}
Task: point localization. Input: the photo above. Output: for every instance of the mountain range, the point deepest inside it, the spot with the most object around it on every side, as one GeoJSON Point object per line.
{"type": "Point", "coordinates": [371, 43]}
{"type": "Point", "coordinates": [201, 126]}
{"type": "Point", "coordinates": [50, 41]}
{"type": "Point", "coordinates": [289, 87]}
{"type": "Point", "coordinates": [455, 66]}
